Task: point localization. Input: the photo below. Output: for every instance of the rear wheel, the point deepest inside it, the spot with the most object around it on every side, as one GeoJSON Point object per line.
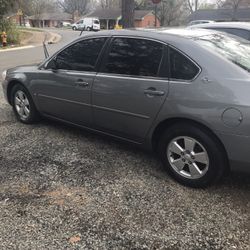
{"type": "Point", "coordinates": [192, 155]}
{"type": "Point", "coordinates": [23, 105]}
{"type": "Point", "coordinates": [88, 29]}
{"type": "Point", "coordinates": [73, 28]}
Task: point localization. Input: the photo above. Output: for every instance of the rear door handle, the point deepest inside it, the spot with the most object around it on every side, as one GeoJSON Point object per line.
{"type": "Point", "coordinates": [153, 92]}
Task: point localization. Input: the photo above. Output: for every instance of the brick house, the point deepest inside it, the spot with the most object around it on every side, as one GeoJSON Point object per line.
{"type": "Point", "coordinates": [49, 19]}
{"type": "Point", "coordinates": [109, 18]}
{"type": "Point", "coordinates": [16, 19]}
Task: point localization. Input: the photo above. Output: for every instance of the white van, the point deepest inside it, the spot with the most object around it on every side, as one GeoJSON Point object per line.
{"type": "Point", "coordinates": [88, 24]}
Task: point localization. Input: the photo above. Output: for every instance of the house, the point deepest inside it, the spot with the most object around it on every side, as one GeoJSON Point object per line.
{"type": "Point", "coordinates": [109, 18]}
{"type": "Point", "coordinates": [221, 15]}
{"type": "Point", "coordinates": [242, 4]}
{"type": "Point", "coordinates": [18, 19]}
{"type": "Point", "coordinates": [49, 19]}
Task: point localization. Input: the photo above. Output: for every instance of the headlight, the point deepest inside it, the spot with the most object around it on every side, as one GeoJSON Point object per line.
{"type": "Point", "coordinates": [4, 74]}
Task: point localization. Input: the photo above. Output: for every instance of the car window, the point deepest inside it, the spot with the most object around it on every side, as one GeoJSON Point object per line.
{"type": "Point", "coordinates": [81, 56]}
{"type": "Point", "coordinates": [237, 32]}
{"type": "Point", "coordinates": [181, 68]}
{"type": "Point", "coordinates": [96, 22]}
{"type": "Point", "coordinates": [135, 57]}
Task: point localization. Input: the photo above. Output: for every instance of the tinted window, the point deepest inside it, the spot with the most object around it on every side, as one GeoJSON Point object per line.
{"type": "Point", "coordinates": [135, 57]}
{"type": "Point", "coordinates": [181, 67]}
{"type": "Point", "coordinates": [237, 32]}
{"type": "Point", "coordinates": [81, 56]}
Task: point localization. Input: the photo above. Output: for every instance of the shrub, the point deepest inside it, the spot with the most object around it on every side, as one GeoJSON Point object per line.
{"type": "Point", "coordinates": [12, 31]}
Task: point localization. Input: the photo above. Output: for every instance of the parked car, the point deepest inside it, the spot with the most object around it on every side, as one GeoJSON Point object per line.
{"type": "Point", "coordinates": [240, 29]}
{"type": "Point", "coordinates": [183, 93]}
{"type": "Point", "coordinates": [66, 24]}
{"type": "Point", "coordinates": [199, 22]}
{"type": "Point", "coordinates": [88, 24]}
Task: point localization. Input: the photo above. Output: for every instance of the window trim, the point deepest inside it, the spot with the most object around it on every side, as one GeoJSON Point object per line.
{"type": "Point", "coordinates": [187, 57]}
{"type": "Point", "coordinates": [108, 49]}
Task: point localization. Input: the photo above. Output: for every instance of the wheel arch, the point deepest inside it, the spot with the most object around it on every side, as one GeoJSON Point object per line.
{"type": "Point", "coordinates": [162, 126]}
{"type": "Point", "coordinates": [11, 86]}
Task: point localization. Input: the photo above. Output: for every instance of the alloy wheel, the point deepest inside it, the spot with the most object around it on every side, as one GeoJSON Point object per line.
{"type": "Point", "coordinates": [22, 105]}
{"type": "Point", "coordinates": [188, 157]}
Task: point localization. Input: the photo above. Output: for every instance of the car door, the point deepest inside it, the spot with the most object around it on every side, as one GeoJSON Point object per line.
{"type": "Point", "coordinates": [65, 92]}
{"type": "Point", "coordinates": [128, 92]}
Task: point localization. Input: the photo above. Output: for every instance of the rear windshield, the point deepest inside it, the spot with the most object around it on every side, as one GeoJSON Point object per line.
{"type": "Point", "coordinates": [233, 48]}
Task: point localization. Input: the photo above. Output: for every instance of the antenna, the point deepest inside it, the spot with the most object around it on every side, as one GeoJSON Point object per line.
{"type": "Point", "coordinates": [46, 53]}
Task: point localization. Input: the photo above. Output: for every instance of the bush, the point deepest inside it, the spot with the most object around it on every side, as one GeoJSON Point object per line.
{"type": "Point", "coordinates": [12, 31]}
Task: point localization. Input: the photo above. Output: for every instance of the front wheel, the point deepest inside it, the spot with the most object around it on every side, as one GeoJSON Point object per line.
{"type": "Point", "coordinates": [192, 155]}
{"type": "Point", "coordinates": [23, 105]}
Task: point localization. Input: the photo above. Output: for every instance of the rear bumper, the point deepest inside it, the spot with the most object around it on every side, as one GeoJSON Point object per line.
{"type": "Point", "coordinates": [238, 151]}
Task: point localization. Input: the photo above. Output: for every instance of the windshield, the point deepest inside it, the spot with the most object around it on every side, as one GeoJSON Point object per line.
{"type": "Point", "coordinates": [233, 48]}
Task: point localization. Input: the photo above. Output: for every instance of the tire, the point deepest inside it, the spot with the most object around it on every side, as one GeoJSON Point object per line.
{"type": "Point", "coordinates": [88, 29]}
{"type": "Point", "coordinates": [192, 155]}
{"type": "Point", "coordinates": [74, 28]}
{"type": "Point", "coordinates": [23, 105]}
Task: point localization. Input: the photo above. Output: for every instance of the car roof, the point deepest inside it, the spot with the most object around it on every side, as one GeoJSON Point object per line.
{"type": "Point", "coordinates": [235, 25]}
{"type": "Point", "coordinates": [159, 34]}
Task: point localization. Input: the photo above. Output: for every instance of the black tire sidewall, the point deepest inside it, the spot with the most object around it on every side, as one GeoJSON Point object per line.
{"type": "Point", "coordinates": [207, 140]}
{"type": "Point", "coordinates": [33, 117]}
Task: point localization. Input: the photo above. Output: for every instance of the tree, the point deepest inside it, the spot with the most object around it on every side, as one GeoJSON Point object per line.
{"type": "Point", "coordinates": [35, 7]}
{"type": "Point", "coordinates": [110, 4]}
{"type": "Point", "coordinates": [5, 5]}
{"type": "Point", "coordinates": [128, 7]}
{"type": "Point", "coordinates": [193, 5]}
{"type": "Point", "coordinates": [72, 6]}
{"type": "Point", "coordinates": [234, 5]}
{"type": "Point", "coordinates": [170, 11]}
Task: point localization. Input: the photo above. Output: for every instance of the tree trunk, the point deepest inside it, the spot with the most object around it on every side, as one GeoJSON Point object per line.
{"type": "Point", "coordinates": [128, 7]}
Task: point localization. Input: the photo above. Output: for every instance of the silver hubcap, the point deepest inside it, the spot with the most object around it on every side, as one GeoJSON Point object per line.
{"type": "Point", "coordinates": [22, 105]}
{"type": "Point", "coordinates": [188, 157]}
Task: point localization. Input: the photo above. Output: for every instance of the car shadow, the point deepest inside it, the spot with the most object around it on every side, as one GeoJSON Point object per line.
{"type": "Point", "coordinates": [231, 180]}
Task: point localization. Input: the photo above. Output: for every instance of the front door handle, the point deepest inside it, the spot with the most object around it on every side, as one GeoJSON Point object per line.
{"type": "Point", "coordinates": [81, 83]}
{"type": "Point", "coordinates": [153, 92]}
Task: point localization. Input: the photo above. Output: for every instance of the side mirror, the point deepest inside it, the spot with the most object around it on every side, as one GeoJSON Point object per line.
{"type": "Point", "coordinates": [52, 64]}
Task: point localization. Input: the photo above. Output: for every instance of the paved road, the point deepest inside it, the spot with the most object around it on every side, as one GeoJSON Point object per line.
{"type": "Point", "coordinates": [63, 188]}
{"type": "Point", "coordinates": [34, 55]}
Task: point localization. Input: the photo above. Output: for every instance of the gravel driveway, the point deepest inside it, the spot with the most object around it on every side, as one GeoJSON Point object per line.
{"type": "Point", "coordinates": [64, 188]}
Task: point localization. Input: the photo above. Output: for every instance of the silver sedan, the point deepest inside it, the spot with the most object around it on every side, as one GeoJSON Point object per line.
{"type": "Point", "coordinates": [182, 93]}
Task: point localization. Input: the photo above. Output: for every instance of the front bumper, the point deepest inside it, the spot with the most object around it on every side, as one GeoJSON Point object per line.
{"type": "Point", "coordinates": [238, 151]}
{"type": "Point", "coordinates": [4, 86]}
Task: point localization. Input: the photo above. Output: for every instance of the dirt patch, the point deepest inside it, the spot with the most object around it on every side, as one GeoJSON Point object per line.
{"type": "Point", "coordinates": [64, 196]}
